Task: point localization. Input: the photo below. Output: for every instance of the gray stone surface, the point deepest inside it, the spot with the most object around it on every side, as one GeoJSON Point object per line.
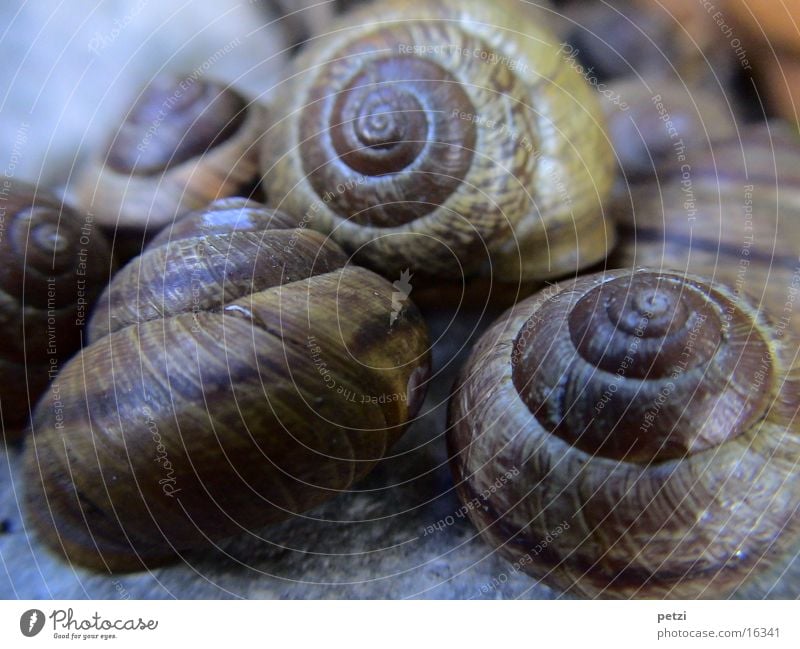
{"type": "Point", "coordinates": [369, 543]}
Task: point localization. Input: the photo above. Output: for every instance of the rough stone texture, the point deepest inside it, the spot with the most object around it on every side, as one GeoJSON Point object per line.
{"type": "Point", "coordinates": [369, 543]}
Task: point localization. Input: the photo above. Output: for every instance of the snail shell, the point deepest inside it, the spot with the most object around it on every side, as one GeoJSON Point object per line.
{"type": "Point", "coordinates": [236, 377]}
{"type": "Point", "coordinates": [53, 265]}
{"type": "Point", "coordinates": [447, 139]}
{"type": "Point", "coordinates": [733, 215]}
{"type": "Point", "coordinates": [632, 38]}
{"type": "Point", "coordinates": [768, 48]}
{"type": "Point", "coordinates": [184, 143]}
{"type": "Point", "coordinates": [642, 427]}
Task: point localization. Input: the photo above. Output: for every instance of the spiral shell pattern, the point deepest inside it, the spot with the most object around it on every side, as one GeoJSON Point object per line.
{"type": "Point", "coordinates": [654, 415]}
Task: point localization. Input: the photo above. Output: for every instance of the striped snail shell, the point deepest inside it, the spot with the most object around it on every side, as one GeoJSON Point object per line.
{"type": "Point", "coordinates": [448, 138]}
{"type": "Point", "coordinates": [643, 428]}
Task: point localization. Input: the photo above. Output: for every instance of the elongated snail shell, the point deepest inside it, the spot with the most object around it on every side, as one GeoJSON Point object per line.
{"type": "Point", "coordinates": [53, 265]}
{"type": "Point", "coordinates": [448, 138]}
{"type": "Point", "coordinates": [642, 429]}
{"type": "Point", "coordinates": [240, 373]}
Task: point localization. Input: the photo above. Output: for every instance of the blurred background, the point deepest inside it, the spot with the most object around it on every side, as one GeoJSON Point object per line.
{"type": "Point", "coordinates": [731, 71]}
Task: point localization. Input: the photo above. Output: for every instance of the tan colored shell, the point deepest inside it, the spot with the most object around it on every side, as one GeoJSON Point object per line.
{"type": "Point", "coordinates": [53, 265]}
{"type": "Point", "coordinates": [444, 137]}
{"type": "Point", "coordinates": [733, 216]}
{"type": "Point", "coordinates": [616, 456]}
{"type": "Point", "coordinates": [200, 136]}
{"type": "Point", "coordinates": [237, 376]}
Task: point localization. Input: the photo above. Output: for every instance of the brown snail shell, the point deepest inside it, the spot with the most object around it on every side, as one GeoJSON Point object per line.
{"type": "Point", "coordinates": [649, 419]}
{"type": "Point", "coordinates": [449, 139]}
{"type": "Point", "coordinates": [631, 38]}
{"type": "Point", "coordinates": [184, 143]}
{"type": "Point", "coordinates": [655, 125]}
{"type": "Point", "coordinates": [53, 265]}
{"type": "Point", "coordinates": [732, 215]}
{"type": "Point", "coordinates": [238, 359]}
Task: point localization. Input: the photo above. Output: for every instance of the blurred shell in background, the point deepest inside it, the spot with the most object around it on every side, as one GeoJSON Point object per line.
{"type": "Point", "coordinates": [639, 37]}
{"type": "Point", "coordinates": [656, 123]}
{"type": "Point", "coordinates": [769, 32]}
{"type": "Point", "coordinates": [733, 215]}
{"type": "Point", "coordinates": [184, 143]}
{"type": "Point", "coordinates": [54, 263]}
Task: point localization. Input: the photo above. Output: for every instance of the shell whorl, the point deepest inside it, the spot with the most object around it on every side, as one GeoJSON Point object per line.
{"type": "Point", "coordinates": [440, 138]}
{"type": "Point", "coordinates": [184, 143]}
{"type": "Point", "coordinates": [188, 119]}
{"type": "Point", "coordinates": [42, 246]}
{"type": "Point", "coordinates": [677, 480]}
{"type": "Point", "coordinates": [53, 265]}
{"type": "Point", "coordinates": [391, 124]}
{"type": "Point", "coordinates": [670, 344]}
